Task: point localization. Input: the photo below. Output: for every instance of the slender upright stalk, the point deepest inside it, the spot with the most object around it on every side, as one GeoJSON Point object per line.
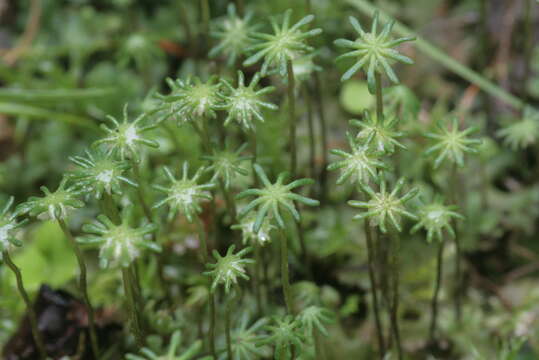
{"type": "Point", "coordinates": [30, 310]}
{"type": "Point", "coordinates": [134, 316]}
{"type": "Point", "coordinates": [310, 124]}
{"type": "Point", "coordinates": [458, 261]}
{"type": "Point", "coordinates": [323, 128]}
{"type": "Point", "coordinates": [141, 190]}
{"type": "Point", "coordinates": [292, 116]}
{"type": "Point", "coordinates": [394, 313]}
{"type": "Point", "coordinates": [211, 297]}
{"type": "Point", "coordinates": [285, 281]}
{"type": "Point", "coordinates": [379, 98]}
{"type": "Point", "coordinates": [254, 150]}
{"type": "Point", "coordinates": [374, 290]}
{"type": "Point", "coordinates": [257, 279]}
{"type": "Point", "coordinates": [437, 287]}
{"type": "Point", "coordinates": [83, 286]}
{"type": "Point", "coordinates": [227, 328]}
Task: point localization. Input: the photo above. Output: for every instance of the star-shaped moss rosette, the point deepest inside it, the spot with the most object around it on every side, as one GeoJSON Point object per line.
{"type": "Point", "coordinates": [274, 198]}
{"type": "Point", "coordinates": [99, 173]}
{"type": "Point", "coordinates": [380, 135]}
{"type": "Point", "coordinates": [53, 205]}
{"type": "Point", "coordinates": [189, 100]}
{"type": "Point", "coordinates": [174, 351]}
{"type": "Point", "coordinates": [385, 207]}
{"type": "Point", "coordinates": [245, 338]}
{"type": "Point", "coordinates": [316, 318]}
{"type": "Point", "coordinates": [124, 139]}
{"type": "Point", "coordinates": [226, 165]}
{"type": "Point", "coordinates": [119, 244]}
{"type": "Point", "coordinates": [228, 269]}
{"type": "Point", "coordinates": [374, 51]}
{"type": "Point", "coordinates": [184, 195]}
{"type": "Point", "coordinates": [233, 35]}
{"type": "Point", "coordinates": [523, 133]}
{"type": "Point", "coordinates": [452, 144]}
{"type": "Point", "coordinates": [244, 104]}
{"type": "Point", "coordinates": [360, 165]}
{"type": "Point", "coordinates": [248, 233]}
{"type": "Point", "coordinates": [286, 43]}
{"type": "Point", "coordinates": [283, 333]}
{"type": "Point", "coordinates": [436, 218]}
{"type": "Point", "coordinates": [8, 227]}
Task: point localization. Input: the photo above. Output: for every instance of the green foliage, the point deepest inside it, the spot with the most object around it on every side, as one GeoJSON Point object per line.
{"type": "Point", "coordinates": [452, 144]}
{"type": "Point", "coordinates": [379, 134]}
{"type": "Point", "coordinates": [126, 138]}
{"type": "Point", "coordinates": [283, 45]}
{"type": "Point", "coordinates": [284, 333]}
{"type": "Point", "coordinates": [293, 288]}
{"type": "Point", "coordinates": [53, 205]}
{"type": "Point", "coordinates": [244, 104]}
{"type": "Point", "coordinates": [523, 133]}
{"type": "Point", "coordinates": [120, 244]}
{"type": "Point", "coordinates": [190, 100]}
{"type": "Point", "coordinates": [275, 197]}
{"type": "Point", "coordinates": [9, 227]}
{"type": "Point", "coordinates": [373, 51]}
{"type": "Point", "coordinates": [184, 195]}
{"type": "Point", "coordinates": [436, 217]}
{"type": "Point", "coordinates": [174, 351]}
{"type": "Point", "coordinates": [233, 34]}
{"type": "Point", "coordinates": [385, 207]}
{"type": "Point", "coordinates": [229, 268]}
{"type": "Point", "coordinates": [226, 165]}
{"type": "Point", "coordinates": [359, 166]}
{"type": "Point", "coordinates": [98, 173]}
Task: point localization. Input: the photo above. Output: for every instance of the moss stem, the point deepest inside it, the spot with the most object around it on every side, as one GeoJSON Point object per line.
{"type": "Point", "coordinates": [394, 313]}
{"type": "Point", "coordinates": [134, 315]}
{"type": "Point", "coordinates": [292, 116]}
{"type": "Point", "coordinates": [458, 256]}
{"type": "Point", "coordinates": [323, 128]}
{"type": "Point", "coordinates": [227, 328]}
{"type": "Point", "coordinates": [435, 296]}
{"type": "Point", "coordinates": [285, 281]}
{"type": "Point", "coordinates": [30, 310]}
{"type": "Point", "coordinates": [211, 297]}
{"type": "Point", "coordinates": [83, 286]}
{"type": "Point", "coordinates": [141, 190]}
{"type": "Point", "coordinates": [374, 290]}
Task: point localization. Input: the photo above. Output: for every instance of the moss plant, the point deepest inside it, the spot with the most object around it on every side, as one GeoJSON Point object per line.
{"type": "Point", "coordinates": [9, 225]}
{"type": "Point", "coordinates": [226, 271]}
{"type": "Point", "coordinates": [452, 144]}
{"type": "Point", "coordinates": [436, 219]}
{"type": "Point", "coordinates": [184, 195]}
{"type": "Point", "coordinates": [291, 277]}
{"type": "Point", "coordinates": [120, 245]}
{"type": "Point", "coordinates": [273, 198]}
{"type": "Point", "coordinates": [233, 34]}
{"type": "Point", "coordinates": [279, 51]}
{"type": "Point", "coordinates": [55, 206]}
